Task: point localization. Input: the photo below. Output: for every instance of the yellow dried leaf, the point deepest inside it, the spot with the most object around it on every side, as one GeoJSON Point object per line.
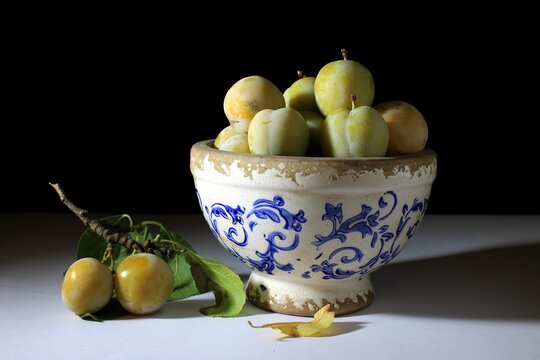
{"type": "Point", "coordinates": [322, 320]}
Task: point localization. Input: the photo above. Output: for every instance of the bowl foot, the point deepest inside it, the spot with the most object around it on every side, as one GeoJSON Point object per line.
{"type": "Point", "coordinates": [298, 298]}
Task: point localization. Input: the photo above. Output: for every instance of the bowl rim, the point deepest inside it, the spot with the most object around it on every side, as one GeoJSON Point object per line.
{"type": "Point", "coordinates": [415, 160]}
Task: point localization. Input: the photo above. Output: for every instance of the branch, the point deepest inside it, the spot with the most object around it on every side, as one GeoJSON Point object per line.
{"type": "Point", "coordinates": [81, 213]}
{"type": "Point", "coordinates": [106, 231]}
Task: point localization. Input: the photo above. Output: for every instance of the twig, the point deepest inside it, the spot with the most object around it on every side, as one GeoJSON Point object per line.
{"type": "Point", "coordinates": [106, 231]}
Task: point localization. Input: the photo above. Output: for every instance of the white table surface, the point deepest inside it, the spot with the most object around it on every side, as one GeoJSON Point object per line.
{"type": "Point", "coordinates": [466, 287]}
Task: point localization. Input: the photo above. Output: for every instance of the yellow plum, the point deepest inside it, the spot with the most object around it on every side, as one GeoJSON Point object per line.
{"type": "Point", "coordinates": [247, 97]}
{"type": "Point", "coordinates": [224, 135]}
{"type": "Point", "coordinates": [237, 143]}
{"type": "Point", "coordinates": [408, 128]}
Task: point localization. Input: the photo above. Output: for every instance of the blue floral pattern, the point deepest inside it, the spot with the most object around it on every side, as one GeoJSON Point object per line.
{"type": "Point", "coordinates": [238, 233]}
{"type": "Point", "coordinates": [368, 224]}
{"type": "Point", "coordinates": [235, 225]}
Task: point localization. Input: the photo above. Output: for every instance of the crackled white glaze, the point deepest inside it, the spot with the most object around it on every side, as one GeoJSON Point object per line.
{"type": "Point", "coordinates": [311, 229]}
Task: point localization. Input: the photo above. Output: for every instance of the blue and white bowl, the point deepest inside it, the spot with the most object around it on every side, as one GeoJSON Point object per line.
{"type": "Point", "coordinates": [312, 229]}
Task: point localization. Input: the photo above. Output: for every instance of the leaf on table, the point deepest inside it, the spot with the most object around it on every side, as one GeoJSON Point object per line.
{"type": "Point", "coordinates": [228, 288]}
{"type": "Point", "coordinates": [322, 320]}
{"type": "Point", "coordinates": [113, 310]}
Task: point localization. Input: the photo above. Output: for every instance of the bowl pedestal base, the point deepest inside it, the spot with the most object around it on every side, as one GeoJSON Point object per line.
{"type": "Point", "coordinates": [305, 298]}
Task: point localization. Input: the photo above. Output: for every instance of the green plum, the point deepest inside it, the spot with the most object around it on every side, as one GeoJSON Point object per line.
{"type": "Point", "coordinates": [278, 132]}
{"type": "Point", "coordinates": [300, 95]}
{"type": "Point", "coordinates": [315, 123]}
{"type": "Point", "coordinates": [360, 132]}
{"type": "Point", "coordinates": [336, 81]}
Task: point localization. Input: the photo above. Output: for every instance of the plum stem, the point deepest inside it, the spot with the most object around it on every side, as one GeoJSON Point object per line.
{"type": "Point", "coordinates": [301, 74]}
{"type": "Point", "coordinates": [344, 53]}
{"type": "Point", "coordinates": [353, 101]}
{"type": "Point", "coordinates": [108, 232]}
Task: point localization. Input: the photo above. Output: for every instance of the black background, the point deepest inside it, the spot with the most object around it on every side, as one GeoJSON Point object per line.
{"type": "Point", "coordinates": [111, 112]}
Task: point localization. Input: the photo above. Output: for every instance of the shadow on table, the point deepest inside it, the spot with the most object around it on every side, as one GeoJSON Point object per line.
{"type": "Point", "coordinates": [185, 308]}
{"type": "Point", "coordinates": [499, 284]}
{"type": "Point", "coordinates": [190, 308]}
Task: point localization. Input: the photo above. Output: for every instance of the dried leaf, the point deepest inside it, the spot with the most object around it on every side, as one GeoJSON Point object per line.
{"type": "Point", "coordinates": [322, 320]}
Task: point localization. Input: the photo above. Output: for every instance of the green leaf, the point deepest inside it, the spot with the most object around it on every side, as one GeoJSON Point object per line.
{"type": "Point", "coordinates": [119, 254]}
{"type": "Point", "coordinates": [180, 242]}
{"type": "Point", "coordinates": [184, 285]}
{"type": "Point", "coordinates": [228, 288]}
{"type": "Point", "coordinates": [90, 317]}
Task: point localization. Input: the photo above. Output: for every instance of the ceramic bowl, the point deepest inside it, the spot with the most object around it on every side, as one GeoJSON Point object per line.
{"type": "Point", "coordinates": [312, 229]}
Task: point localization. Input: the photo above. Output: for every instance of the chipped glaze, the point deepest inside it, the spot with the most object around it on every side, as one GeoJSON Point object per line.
{"type": "Point", "coordinates": [311, 229]}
